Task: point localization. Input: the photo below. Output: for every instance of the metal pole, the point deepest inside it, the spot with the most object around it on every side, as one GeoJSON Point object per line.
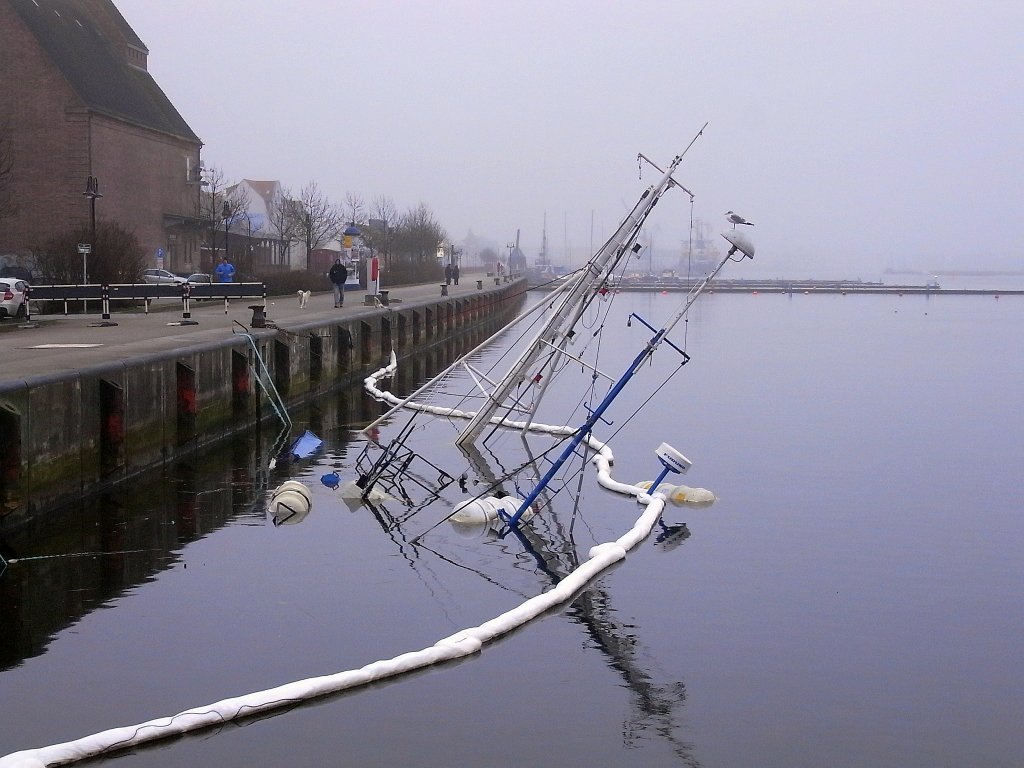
{"type": "Point", "coordinates": [92, 191]}
{"type": "Point", "coordinates": [588, 425]}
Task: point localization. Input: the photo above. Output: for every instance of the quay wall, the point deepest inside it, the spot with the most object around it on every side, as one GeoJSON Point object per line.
{"type": "Point", "coordinates": [75, 432]}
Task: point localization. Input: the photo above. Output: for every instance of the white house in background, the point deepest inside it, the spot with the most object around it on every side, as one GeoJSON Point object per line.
{"type": "Point", "coordinates": [266, 252]}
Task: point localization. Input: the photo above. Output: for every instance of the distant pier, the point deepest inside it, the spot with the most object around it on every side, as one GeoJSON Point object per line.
{"type": "Point", "coordinates": [670, 284]}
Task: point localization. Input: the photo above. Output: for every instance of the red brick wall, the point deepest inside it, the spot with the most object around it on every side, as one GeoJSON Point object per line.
{"type": "Point", "coordinates": [48, 130]}
{"type": "Point", "coordinates": [142, 176]}
{"type": "Point", "coordinates": [58, 144]}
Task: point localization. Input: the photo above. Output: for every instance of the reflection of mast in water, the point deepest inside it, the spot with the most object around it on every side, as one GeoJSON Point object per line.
{"type": "Point", "coordinates": [556, 555]}
{"type": "Point", "coordinates": [554, 552]}
{"type": "Point", "coordinates": [653, 704]}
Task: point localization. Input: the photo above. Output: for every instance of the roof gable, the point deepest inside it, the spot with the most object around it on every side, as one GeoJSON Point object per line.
{"type": "Point", "coordinates": [90, 43]}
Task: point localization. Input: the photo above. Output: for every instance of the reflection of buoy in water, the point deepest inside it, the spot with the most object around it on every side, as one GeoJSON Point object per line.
{"type": "Point", "coordinates": [682, 494]}
{"type": "Point", "coordinates": [479, 530]}
{"type": "Point", "coordinates": [290, 503]}
{"type": "Point", "coordinates": [331, 479]}
{"type": "Point", "coordinates": [352, 490]}
{"type": "Point", "coordinates": [475, 516]}
{"type": "Point", "coordinates": [671, 536]}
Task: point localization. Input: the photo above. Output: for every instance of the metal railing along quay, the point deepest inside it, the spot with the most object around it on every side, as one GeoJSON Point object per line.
{"type": "Point", "coordinates": [106, 293]}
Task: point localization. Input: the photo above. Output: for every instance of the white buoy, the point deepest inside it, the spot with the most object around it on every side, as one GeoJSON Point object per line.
{"type": "Point", "coordinates": [681, 494]}
{"type": "Point", "coordinates": [290, 503]}
{"type": "Point", "coordinates": [485, 510]}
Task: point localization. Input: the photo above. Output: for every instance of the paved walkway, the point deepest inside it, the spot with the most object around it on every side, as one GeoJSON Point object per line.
{"type": "Point", "coordinates": [45, 346]}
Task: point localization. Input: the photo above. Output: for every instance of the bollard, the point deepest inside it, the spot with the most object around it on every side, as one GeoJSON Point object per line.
{"type": "Point", "coordinates": [444, 289]}
{"type": "Point", "coordinates": [105, 321]}
{"type": "Point", "coordinates": [186, 312]}
{"type": "Point", "coordinates": [479, 285]}
{"type": "Point", "coordinates": [259, 316]}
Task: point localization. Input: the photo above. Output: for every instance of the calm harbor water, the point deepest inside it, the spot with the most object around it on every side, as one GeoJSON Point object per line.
{"type": "Point", "coordinates": [854, 598]}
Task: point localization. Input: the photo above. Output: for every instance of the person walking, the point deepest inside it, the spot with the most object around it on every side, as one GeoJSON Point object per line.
{"type": "Point", "coordinates": [455, 273]}
{"type": "Point", "coordinates": [338, 276]}
{"type": "Point", "coordinates": [447, 274]}
{"type": "Point", "coordinates": [225, 271]}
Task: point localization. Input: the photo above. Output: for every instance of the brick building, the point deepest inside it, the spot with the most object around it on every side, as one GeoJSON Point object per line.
{"type": "Point", "coordinates": [76, 100]}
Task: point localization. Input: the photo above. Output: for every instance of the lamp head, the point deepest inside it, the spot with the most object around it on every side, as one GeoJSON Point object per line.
{"type": "Point", "coordinates": [739, 242]}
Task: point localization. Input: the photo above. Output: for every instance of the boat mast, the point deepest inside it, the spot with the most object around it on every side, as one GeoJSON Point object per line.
{"type": "Point", "coordinates": [552, 339]}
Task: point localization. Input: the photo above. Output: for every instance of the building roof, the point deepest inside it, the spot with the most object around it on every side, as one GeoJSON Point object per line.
{"type": "Point", "coordinates": [89, 42]}
{"type": "Point", "coordinates": [265, 189]}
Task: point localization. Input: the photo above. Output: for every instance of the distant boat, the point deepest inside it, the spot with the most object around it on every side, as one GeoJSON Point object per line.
{"type": "Point", "coordinates": [699, 255]}
{"type": "Point", "coordinates": [543, 271]}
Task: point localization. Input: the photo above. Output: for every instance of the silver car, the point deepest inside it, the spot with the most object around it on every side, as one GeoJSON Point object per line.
{"type": "Point", "coordinates": [13, 297]}
{"type": "Point", "coordinates": [161, 277]}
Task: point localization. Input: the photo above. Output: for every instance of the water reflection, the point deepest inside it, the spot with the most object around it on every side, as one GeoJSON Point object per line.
{"type": "Point", "coordinates": [69, 562]}
{"type": "Point", "coordinates": [551, 547]}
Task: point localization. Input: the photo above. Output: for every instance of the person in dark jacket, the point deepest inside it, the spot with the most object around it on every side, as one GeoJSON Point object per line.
{"type": "Point", "coordinates": [447, 274]}
{"type": "Point", "coordinates": [338, 276]}
{"type": "Point", "coordinates": [455, 273]}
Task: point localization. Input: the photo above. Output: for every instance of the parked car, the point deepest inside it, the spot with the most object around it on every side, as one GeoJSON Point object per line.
{"type": "Point", "coordinates": [13, 297]}
{"type": "Point", "coordinates": [161, 277]}
{"type": "Point", "coordinates": [198, 278]}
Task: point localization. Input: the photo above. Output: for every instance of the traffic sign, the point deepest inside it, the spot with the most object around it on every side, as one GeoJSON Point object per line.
{"type": "Point", "coordinates": [84, 248]}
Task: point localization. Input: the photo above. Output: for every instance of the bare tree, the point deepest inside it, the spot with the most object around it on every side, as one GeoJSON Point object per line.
{"type": "Point", "coordinates": [316, 220]}
{"type": "Point", "coordinates": [8, 205]}
{"type": "Point", "coordinates": [234, 217]}
{"type": "Point", "coordinates": [354, 209]}
{"type": "Point", "coordinates": [281, 221]}
{"type": "Point", "coordinates": [419, 235]}
{"type": "Point", "coordinates": [489, 257]}
{"type": "Point", "coordinates": [380, 227]}
{"type": "Point", "coordinates": [209, 210]}
{"type": "Point", "coordinates": [217, 203]}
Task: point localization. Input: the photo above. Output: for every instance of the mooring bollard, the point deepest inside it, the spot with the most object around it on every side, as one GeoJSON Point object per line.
{"type": "Point", "coordinates": [105, 321]}
{"type": "Point", "coordinates": [479, 285]}
{"type": "Point", "coordinates": [186, 298]}
{"type": "Point", "coordinates": [259, 316]}
{"type": "Point", "coordinates": [444, 289]}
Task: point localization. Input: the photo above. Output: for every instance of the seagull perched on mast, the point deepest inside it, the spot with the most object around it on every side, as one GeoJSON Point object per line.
{"type": "Point", "coordinates": [735, 219]}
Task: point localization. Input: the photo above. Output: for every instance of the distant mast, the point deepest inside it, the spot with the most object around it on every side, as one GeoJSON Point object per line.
{"type": "Point", "coordinates": [699, 255]}
{"type": "Point", "coordinates": [543, 263]}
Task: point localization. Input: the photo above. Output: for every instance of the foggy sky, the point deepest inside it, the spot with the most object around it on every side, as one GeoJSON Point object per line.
{"type": "Point", "coordinates": [856, 135]}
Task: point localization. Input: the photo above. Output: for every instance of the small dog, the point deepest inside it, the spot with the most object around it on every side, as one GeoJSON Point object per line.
{"type": "Point", "coordinates": [303, 298]}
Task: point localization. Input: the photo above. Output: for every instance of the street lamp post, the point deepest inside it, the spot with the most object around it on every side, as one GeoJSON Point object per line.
{"type": "Point", "coordinates": [92, 191]}
{"type": "Point", "coordinates": [510, 247]}
{"type": "Point", "coordinates": [225, 211]}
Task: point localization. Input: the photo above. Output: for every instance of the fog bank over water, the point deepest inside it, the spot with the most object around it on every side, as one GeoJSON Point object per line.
{"type": "Point", "coordinates": [858, 137]}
